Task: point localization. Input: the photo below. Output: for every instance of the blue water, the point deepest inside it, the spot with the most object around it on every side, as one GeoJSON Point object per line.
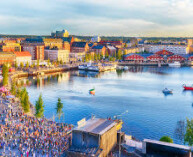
{"type": "Point", "coordinates": [151, 114]}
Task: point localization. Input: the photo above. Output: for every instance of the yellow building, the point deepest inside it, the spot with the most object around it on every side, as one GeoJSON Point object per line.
{"type": "Point", "coordinates": [11, 47]}
{"type": "Point", "coordinates": [53, 43]}
{"type": "Point", "coordinates": [57, 55]}
{"type": "Point", "coordinates": [63, 33]}
{"type": "Point", "coordinates": [133, 50]}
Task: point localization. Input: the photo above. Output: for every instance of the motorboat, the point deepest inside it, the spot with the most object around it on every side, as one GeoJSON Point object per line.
{"type": "Point", "coordinates": [187, 87]}
{"type": "Point", "coordinates": [175, 64]}
{"type": "Point", "coordinates": [125, 68]}
{"type": "Point", "coordinates": [167, 91]}
{"type": "Point", "coordinates": [82, 67]}
{"type": "Point", "coordinates": [93, 68]}
{"type": "Point", "coordinates": [92, 91]}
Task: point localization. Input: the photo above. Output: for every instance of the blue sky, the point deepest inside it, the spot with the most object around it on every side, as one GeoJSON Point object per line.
{"type": "Point", "coordinates": [98, 17]}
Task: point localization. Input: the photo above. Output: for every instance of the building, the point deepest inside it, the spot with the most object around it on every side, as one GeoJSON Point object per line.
{"type": "Point", "coordinates": [52, 43]}
{"type": "Point", "coordinates": [95, 137]}
{"type": "Point", "coordinates": [111, 50]}
{"type": "Point", "coordinates": [35, 49]}
{"type": "Point", "coordinates": [7, 57]}
{"type": "Point", "coordinates": [23, 57]}
{"type": "Point", "coordinates": [57, 55]}
{"type": "Point", "coordinates": [134, 57]}
{"type": "Point", "coordinates": [79, 47]}
{"type": "Point", "coordinates": [117, 44]}
{"type": "Point", "coordinates": [99, 49]}
{"type": "Point", "coordinates": [63, 33]}
{"type": "Point", "coordinates": [155, 58]}
{"type": "Point", "coordinates": [164, 53]}
{"type": "Point", "coordinates": [174, 58]}
{"type": "Point", "coordinates": [176, 49]}
{"type": "Point", "coordinates": [95, 39]}
{"type": "Point", "coordinates": [165, 149]}
{"type": "Point", "coordinates": [11, 47]}
{"type": "Point", "coordinates": [128, 50]}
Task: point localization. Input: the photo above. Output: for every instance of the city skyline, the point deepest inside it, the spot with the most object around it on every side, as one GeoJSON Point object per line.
{"type": "Point", "coordinates": [105, 18]}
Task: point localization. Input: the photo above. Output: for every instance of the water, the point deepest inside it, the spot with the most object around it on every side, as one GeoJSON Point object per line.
{"type": "Point", "coordinates": [151, 114]}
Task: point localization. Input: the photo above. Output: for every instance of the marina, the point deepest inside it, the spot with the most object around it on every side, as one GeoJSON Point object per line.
{"type": "Point", "coordinates": [138, 90]}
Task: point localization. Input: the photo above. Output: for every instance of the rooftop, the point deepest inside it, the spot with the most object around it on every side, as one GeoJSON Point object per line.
{"type": "Point", "coordinates": [96, 126]}
{"type": "Point", "coordinates": [22, 54]}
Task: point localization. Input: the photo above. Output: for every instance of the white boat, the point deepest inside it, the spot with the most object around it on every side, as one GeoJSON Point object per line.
{"type": "Point", "coordinates": [82, 67]}
{"type": "Point", "coordinates": [93, 68]}
{"type": "Point", "coordinates": [175, 64]}
{"type": "Point", "coordinates": [167, 91]}
{"type": "Point", "coordinates": [125, 68]}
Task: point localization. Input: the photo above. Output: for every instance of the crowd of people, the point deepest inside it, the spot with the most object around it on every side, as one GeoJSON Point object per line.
{"type": "Point", "coordinates": [24, 135]}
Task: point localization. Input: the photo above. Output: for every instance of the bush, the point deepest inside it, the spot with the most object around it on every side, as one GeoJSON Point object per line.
{"type": "Point", "coordinates": [166, 139]}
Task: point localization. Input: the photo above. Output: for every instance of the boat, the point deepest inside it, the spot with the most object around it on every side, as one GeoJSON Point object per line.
{"type": "Point", "coordinates": [93, 68]}
{"type": "Point", "coordinates": [125, 68]}
{"type": "Point", "coordinates": [167, 91]}
{"type": "Point", "coordinates": [187, 87]}
{"type": "Point", "coordinates": [92, 91]}
{"type": "Point", "coordinates": [174, 64]}
{"type": "Point", "coordinates": [82, 67]}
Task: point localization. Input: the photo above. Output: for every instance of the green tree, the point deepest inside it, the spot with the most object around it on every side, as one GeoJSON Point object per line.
{"type": "Point", "coordinates": [95, 57]}
{"type": "Point", "coordinates": [106, 54]}
{"type": "Point", "coordinates": [5, 71]}
{"type": "Point", "coordinates": [166, 139]}
{"type": "Point", "coordinates": [39, 107]}
{"type": "Point", "coordinates": [16, 65]}
{"type": "Point", "coordinates": [189, 132]}
{"type": "Point", "coordinates": [27, 64]}
{"type": "Point", "coordinates": [13, 88]}
{"type": "Point", "coordinates": [21, 65]}
{"type": "Point", "coordinates": [99, 56]}
{"type": "Point", "coordinates": [61, 62]}
{"type": "Point", "coordinates": [38, 63]}
{"type": "Point", "coordinates": [119, 55]}
{"type": "Point", "coordinates": [59, 107]}
{"type": "Point", "coordinates": [24, 98]}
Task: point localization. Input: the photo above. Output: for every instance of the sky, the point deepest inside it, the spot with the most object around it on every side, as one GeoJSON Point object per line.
{"type": "Point", "coordinates": [138, 18]}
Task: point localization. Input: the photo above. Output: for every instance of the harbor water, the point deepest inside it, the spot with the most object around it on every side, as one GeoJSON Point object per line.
{"type": "Point", "coordinates": [151, 114]}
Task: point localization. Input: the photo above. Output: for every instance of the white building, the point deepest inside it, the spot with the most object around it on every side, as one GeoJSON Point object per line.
{"type": "Point", "coordinates": [95, 39]}
{"type": "Point", "coordinates": [176, 49]}
{"type": "Point", "coordinates": [23, 57]}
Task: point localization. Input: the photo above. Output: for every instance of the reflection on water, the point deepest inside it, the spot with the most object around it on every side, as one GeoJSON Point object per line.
{"type": "Point", "coordinates": [151, 114]}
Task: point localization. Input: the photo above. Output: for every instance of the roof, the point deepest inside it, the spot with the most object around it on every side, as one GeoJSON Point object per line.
{"type": "Point", "coordinates": [68, 39]}
{"type": "Point", "coordinates": [98, 47]}
{"type": "Point", "coordinates": [96, 126]}
{"type": "Point", "coordinates": [90, 44]}
{"type": "Point", "coordinates": [168, 144]}
{"type": "Point", "coordinates": [22, 54]}
{"type": "Point", "coordinates": [79, 44]}
{"type": "Point", "coordinates": [32, 40]}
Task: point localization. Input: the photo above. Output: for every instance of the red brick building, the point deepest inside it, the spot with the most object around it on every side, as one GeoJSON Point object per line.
{"type": "Point", "coordinates": [36, 50]}
{"type": "Point", "coordinates": [155, 58]}
{"type": "Point", "coordinates": [134, 57]}
{"type": "Point", "coordinates": [176, 58]}
{"type": "Point", "coordinates": [79, 47]}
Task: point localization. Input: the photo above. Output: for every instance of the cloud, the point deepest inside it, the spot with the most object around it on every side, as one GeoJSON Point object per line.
{"type": "Point", "coordinates": [103, 17]}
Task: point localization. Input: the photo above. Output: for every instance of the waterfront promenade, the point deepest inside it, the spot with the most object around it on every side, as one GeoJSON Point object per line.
{"type": "Point", "coordinates": [24, 135]}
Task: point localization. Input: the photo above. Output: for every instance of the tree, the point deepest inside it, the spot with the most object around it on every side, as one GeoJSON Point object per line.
{"type": "Point", "coordinates": [119, 55]}
{"type": "Point", "coordinates": [21, 65]}
{"type": "Point", "coordinates": [38, 63]}
{"type": "Point", "coordinates": [95, 57]}
{"type": "Point", "coordinates": [39, 107]}
{"type": "Point", "coordinates": [106, 54]}
{"type": "Point", "coordinates": [24, 98]}
{"type": "Point", "coordinates": [99, 56]}
{"type": "Point", "coordinates": [59, 107]}
{"type": "Point", "coordinates": [61, 62]}
{"type": "Point", "coordinates": [166, 139]}
{"type": "Point", "coordinates": [16, 65]}
{"type": "Point", "coordinates": [27, 64]}
{"type": "Point", "coordinates": [5, 71]}
{"type": "Point", "coordinates": [13, 88]}
{"type": "Point", "coordinates": [189, 132]}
